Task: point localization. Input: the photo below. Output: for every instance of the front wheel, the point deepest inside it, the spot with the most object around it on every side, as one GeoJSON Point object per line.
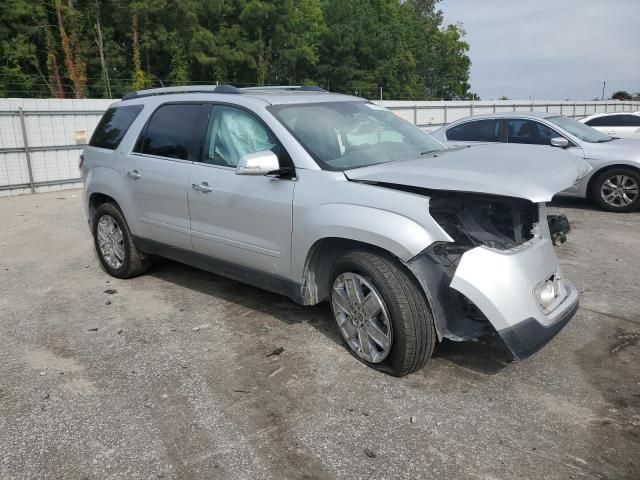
{"type": "Point", "coordinates": [617, 190]}
{"type": "Point", "coordinates": [381, 313]}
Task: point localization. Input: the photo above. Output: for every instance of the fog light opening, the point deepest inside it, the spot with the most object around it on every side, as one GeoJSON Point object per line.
{"type": "Point", "coordinates": [547, 293]}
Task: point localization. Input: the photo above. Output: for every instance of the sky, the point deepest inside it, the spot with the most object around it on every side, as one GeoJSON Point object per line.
{"type": "Point", "coordinates": [550, 49]}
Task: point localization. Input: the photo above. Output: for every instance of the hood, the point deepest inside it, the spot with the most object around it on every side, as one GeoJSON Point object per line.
{"type": "Point", "coordinates": [535, 173]}
{"type": "Point", "coordinates": [617, 150]}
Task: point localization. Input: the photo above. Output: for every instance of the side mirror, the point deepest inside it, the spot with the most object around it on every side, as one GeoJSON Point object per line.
{"type": "Point", "coordinates": [559, 142]}
{"type": "Point", "coordinates": [258, 163]}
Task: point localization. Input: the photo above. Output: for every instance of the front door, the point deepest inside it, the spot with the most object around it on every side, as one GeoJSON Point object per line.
{"type": "Point", "coordinates": [244, 220]}
{"type": "Point", "coordinates": [158, 172]}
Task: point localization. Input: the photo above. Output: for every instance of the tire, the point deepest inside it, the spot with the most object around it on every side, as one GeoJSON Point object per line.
{"type": "Point", "coordinates": [133, 262]}
{"type": "Point", "coordinates": [627, 180]}
{"type": "Point", "coordinates": [411, 336]}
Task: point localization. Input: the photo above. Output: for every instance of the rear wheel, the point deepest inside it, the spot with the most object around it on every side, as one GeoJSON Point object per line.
{"type": "Point", "coordinates": [114, 244]}
{"type": "Point", "coordinates": [381, 313]}
{"type": "Point", "coordinates": [617, 190]}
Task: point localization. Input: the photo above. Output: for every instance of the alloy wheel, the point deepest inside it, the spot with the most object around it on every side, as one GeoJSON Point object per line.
{"type": "Point", "coordinates": [362, 317]}
{"type": "Point", "coordinates": [619, 190]}
{"type": "Point", "coordinates": [111, 241]}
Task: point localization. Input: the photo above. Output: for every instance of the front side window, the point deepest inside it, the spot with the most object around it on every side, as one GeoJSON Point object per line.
{"type": "Point", "coordinates": [345, 135]}
{"type": "Point", "coordinates": [476, 131]}
{"type": "Point", "coordinates": [233, 133]}
{"type": "Point", "coordinates": [579, 130]}
{"type": "Point", "coordinates": [174, 131]}
{"type": "Point", "coordinates": [113, 125]}
{"type": "Point", "coordinates": [529, 131]}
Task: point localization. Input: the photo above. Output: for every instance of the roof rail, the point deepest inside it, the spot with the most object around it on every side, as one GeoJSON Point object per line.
{"type": "Point", "coordinates": [182, 89]}
{"type": "Point", "coordinates": [287, 88]}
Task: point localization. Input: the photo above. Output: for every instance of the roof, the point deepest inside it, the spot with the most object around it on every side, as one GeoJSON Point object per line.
{"type": "Point", "coordinates": [274, 95]}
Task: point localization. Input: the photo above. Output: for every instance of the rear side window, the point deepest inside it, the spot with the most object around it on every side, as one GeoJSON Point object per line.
{"type": "Point", "coordinates": [174, 131]}
{"type": "Point", "coordinates": [476, 131]}
{"type": "Point", "coordinates": [598, 122]}
{"type": "Point", "coordinates": [113, 125]}
{"type": "Point", "coordinates": [615, 121]}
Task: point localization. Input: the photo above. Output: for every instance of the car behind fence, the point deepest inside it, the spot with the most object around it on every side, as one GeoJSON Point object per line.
{"type": "Point", "coordinates": [41, 139]}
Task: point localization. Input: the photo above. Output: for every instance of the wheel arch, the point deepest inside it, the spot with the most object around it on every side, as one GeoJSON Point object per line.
{"type": "Point", "coordinates": [96, 199]}
{"type": "Point", "coordinates": [596, 173]}
{"type": "Point", "coordinates": [322, 256]}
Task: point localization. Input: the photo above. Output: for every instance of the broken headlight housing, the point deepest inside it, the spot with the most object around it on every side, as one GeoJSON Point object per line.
{"type": "Point", "coordinates": [473, 220]}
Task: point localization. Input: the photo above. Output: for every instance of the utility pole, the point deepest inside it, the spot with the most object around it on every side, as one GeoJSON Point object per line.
{"type": "Point", "coordinates": [603, 85]}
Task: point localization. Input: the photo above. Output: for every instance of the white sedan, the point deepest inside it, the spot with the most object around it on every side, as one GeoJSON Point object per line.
{"type": "Point", "coordinates": [621, 125]}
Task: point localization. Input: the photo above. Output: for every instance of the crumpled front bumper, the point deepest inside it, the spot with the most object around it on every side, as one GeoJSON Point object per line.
{"type": "Point", "coordinates": [502, 283]}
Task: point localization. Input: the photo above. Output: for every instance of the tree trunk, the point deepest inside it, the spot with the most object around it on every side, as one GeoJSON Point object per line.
{"type": "Point", "coordinates": [69, 61]}
{"type": "Point", "coordinates": [100, 43]}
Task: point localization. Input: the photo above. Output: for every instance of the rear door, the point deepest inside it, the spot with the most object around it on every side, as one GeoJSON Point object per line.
{"type": "Point", "coordinates": [475, 131]}
{"type": "Point", "coordinates": [158, 172]}
{"type": "Point", "coordinates": [244, 220]}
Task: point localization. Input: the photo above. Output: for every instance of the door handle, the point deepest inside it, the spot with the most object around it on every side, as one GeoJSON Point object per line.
{"type": "Point", "coordinates": [202, 187]}
{"type": "Point", "coordinates": [134, 174]}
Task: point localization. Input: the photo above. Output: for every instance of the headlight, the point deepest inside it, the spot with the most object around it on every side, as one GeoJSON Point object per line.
{"type": "Point", "coordinates": [547, 293]}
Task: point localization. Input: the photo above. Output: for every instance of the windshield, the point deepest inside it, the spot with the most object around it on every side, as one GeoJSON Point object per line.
{"type": "Point", "coordinates": [580, 130]}
{"type": "Point", "coordinates": [345, 135]}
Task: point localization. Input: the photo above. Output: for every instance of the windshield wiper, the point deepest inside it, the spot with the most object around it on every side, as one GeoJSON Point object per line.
{"type": "Point", "coordinates": [429, 151]}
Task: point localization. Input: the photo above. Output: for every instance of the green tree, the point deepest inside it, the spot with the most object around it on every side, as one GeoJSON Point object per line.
{"type": "Point", "coordinates": [103, 47]}
{"type": "Point", "coordinates": [621, 95]}
{"type": "Point", "coordinates": [22, 38]}
{"type": "Point", "coordinates": [140, 80]}
{"type": "Point", "coordinates": [179, 66]}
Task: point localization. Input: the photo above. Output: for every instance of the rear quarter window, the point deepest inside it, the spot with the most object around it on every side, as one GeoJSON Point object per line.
{"type": "Point", "coordinates": [113, 125]}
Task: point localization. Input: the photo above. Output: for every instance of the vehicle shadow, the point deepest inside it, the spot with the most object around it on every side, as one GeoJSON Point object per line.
{"type": "Point", "coordinates": [574, 203]}
{"type": "Point", "coordinates": [246, 296]}
{"type": "Point", "coordinates": [488, 355]}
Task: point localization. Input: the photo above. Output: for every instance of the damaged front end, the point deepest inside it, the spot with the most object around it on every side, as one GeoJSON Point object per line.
{"type": "Point", "coordinates": [499, 273]}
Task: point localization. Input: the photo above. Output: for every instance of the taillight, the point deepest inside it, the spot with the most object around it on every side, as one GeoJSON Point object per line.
{"type": "Point", "coordinates": [81, 160]}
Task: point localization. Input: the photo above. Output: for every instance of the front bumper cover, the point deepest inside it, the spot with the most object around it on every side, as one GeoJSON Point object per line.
{"type": "Point", "coordinates": [500, 284]}
{"type": "Point", "coordinates": [527, 337]}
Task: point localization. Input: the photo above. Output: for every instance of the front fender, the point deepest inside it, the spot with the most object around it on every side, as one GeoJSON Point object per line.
{"type": "Point", "coordinates": [390, 231]}
{"type": "Point", "coordinates": [327, 205]}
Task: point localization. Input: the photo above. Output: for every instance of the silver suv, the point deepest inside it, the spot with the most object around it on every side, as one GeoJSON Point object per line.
{"type": "Point", "coordinates": [319, 197]}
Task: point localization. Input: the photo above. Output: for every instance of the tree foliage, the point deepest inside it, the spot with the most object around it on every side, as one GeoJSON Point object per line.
{"type": "Point", "coordinates": [621, 95]}
{"type": "Point", "coordinates": [76, 48]}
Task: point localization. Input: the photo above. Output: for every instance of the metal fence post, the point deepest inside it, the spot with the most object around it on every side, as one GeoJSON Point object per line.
{"type": "Point", "coordinates": [415, 115]}
{"type": "Point", "coordinates": [23, 127]}
{"type": "Point", "coordinates": [445, 114]}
